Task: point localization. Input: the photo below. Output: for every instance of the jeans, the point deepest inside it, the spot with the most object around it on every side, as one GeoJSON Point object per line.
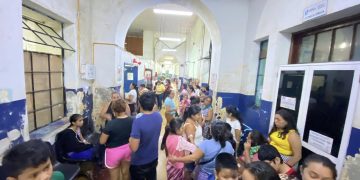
{"type": "Point", "coordinates": [159, 98]}
{"type": "Point", "coordinates": [144, 172]}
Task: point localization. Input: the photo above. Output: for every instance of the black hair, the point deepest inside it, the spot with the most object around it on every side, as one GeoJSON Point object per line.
{"type": "Point", "coordinates": [219, 132]}
{"type": "Point", "coordinates": [184, 86]}
{"type": "Point", "coordinates": [197, 86]}
{"type": "Point", "coordinates": [191, 88]}
{"type": "Point", "coordinates": [173, 126]}
{"type": "Point", "coordinates": [229, 136]}
{"type": "Point", "coordinates": [194, 100]}
{"type": "Point", "coordinates": [142, 85]}
{"type": "Point", "coordinates": [269, 153]}
{"type": "Point", "coordinates": [147, 101]}
{"type": "Point", "coordinates": [322, 160]}
{"type": "Point", "coordinates": [190, 111]}
{"type": "Point", "coordinates": [257, 138]}
{"type": "Point", "coordinates": [262, 171]}
{"type": "Point", "coordinates": [289, 118]}
{"type": "Point", "coordinates": [234, 111]}
{"type": "Point", "coordinates": [30, 154]}
{"type": "Point", "coordinates": [73, 118]}
{"type": "Point", "coordinates": [225, 161]}
{"type": "Point", "coordinates": [206, 87]}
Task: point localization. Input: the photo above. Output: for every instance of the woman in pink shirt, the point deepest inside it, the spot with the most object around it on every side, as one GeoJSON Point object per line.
{"type": "Point", "coordinates": [185, 102]}
{"type": "Point", "coordinates": [175, 145]}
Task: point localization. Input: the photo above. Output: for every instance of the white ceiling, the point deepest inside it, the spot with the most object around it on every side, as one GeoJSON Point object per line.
{"type": "Point", "coordinates": [160, 23]}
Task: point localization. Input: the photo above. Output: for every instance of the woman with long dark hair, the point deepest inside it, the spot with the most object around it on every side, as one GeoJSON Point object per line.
{"type": "Point", "coordinates": [175, 144]}
{"type": "Point", "coordinates": [74, 145]}
{"type": "Point", "coordinates": [285, 137]}
{"type": "Point", "coordinates": [235, 121]}
{"type": "Point", "coordinates": [207, 151]}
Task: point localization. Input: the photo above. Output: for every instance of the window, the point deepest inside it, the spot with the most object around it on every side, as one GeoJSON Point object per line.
{"type": "Point", "coordinates": [44, 88]}
{"type": "Point", "coordinates": [339, 41]}
{"type": "Point", "coordinates": [43, 51]}
{"type": "Point", "coordinates": [261, 72]}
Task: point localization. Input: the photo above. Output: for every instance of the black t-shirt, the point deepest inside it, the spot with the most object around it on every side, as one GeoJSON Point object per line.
{"type": "Point", "coordinates": [71, 142]}
{"type": "Point", "coordinates": [119, 131]}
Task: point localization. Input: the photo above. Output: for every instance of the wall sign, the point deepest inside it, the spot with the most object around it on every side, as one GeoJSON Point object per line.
{"type": "Point", "coordinates": [130, 76]}
{"type": "Point", "coordinates": [320, 141]}
{"type": "Point", "coordinates": [288, 102]}
{"type": "Point", "coordinates": [315, 10]}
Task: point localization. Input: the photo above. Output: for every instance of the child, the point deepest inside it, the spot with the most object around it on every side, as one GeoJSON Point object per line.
{"type": "Point", "coordinates": [251, 147]}
{"type": "Point", "coordinates": [260, 171]}
{"type": "Point", "coordinates": [29, 160]}
{"type": "Point", "coordinates": [318, 166]}
{"type": "Point", "coordinates": [175, 145]}
{"type": "Point", "coordinates": [185, 102]}
{"type": "Point", "coordinates": [226, 167]}
{"type": "Point", "coordinates": [270, 155]}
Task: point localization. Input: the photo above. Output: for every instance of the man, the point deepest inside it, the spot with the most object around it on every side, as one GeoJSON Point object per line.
{"type": "Point", "coordinates": [144, 140]}
{"type": "Point", "coordinates": [30, 160]}
{"type": "Point", "coordinates": [142, 89]}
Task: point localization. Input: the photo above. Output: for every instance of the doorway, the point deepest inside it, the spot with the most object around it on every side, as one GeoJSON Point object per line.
{"type": "Point", "coordinates": [130, 76]}
{"type": "Point", "coordinates": [322, 98]}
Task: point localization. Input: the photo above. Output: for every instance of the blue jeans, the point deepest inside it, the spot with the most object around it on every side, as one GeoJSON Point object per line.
{"type": "Point", "coordinates": [83, 155]}
{"type": "Point", "coordinates": [159, 98]}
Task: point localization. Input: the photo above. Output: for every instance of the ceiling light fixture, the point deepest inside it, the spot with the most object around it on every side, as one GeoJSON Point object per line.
{"type": "Point", "coordinates": [172, 12]}
{"type": "Point", "coordinates": [169, 58]}
{"type": "Point", "coordinates": [170, 39]}
{"type": "Point", "coordinates": [169, 50]}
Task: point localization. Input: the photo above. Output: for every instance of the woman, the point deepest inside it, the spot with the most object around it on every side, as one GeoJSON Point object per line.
{"type": "Point", "coordinates": [170, 107]}
{"type": "Point", "coordinates": [285, 137]}
{"type": "Point", "coordinates": [252, 145]}
{"type": "Point", "coordinates": [318, 167]}
{"type": "Point", "coordinates": [132, 98]}
{"type": "Point", "coordinates": [233, 118]}
{"type": "Point", "coordinates": [73, 142]}
{"type": "Point", "coordinates": [116, 138]}
{"type": "Point", "coordinates": [175, 144]}
{"type": "Point", "coordinates": [106, 112]}
{"type": "Point", "coordinates": [168, 88]}
{"type": "Point", "coordinates": [191, 91]}
{"type": "Point", "coordinates": [159, 92]}
{"type": "Point", "coordinates": [207, 114]}
{"type": "Point", "coordinates": [207, 151]}
{"type": "Point", "coordinates": [193, 132]}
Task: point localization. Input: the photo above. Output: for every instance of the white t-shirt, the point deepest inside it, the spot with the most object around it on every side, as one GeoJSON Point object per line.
{"type": "Point", "coordinates": [235, 124]}
{"type": "Point", "coordinates": [134, 94]}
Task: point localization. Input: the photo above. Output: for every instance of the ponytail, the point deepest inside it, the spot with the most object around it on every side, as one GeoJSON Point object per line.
{"type": "Point", "coordinates": [219, 132]}
{"type": "Point", "coordinates": [190, 111]}
{"type": "Point", "coordinates": [234, 111]}
{"type": "Point", "coordinates": [172, 128]}
{"type": "Point", "coordinates": [166, 134]}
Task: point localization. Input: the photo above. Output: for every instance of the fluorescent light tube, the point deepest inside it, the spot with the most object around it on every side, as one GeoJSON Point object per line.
{"type": "Point", "coordinates": [172, 12]}
{"type": "Point", "coordinates": [169, 58]}
{"type": "Point", "coordinates": [169, 50]}
{"type": "Point", "coordinates": [170, 39]}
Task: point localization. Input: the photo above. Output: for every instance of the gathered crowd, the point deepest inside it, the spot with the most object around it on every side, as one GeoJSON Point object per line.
{"type": "Point", "coordinates": [197, 144]}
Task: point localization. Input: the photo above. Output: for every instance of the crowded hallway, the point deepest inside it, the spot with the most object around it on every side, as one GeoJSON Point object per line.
{"type": "Point", "coordinates": [179, 89]}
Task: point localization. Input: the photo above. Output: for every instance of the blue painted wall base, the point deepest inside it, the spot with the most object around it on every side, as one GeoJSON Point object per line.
{"type": "Point", "coordinates": [256, 117]}
{"type": "Point", "coordinates": [354, 143]}
{"type": "Point", "coordinates": [11, 118]}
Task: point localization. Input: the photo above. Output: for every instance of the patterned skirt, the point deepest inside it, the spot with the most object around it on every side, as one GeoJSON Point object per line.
{"type": "Point", "coordinates": [174, 173]}
{"type": "Point", "coordinates": [206, 130]}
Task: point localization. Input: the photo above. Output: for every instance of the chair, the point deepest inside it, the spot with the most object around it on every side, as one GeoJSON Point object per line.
{"type": "Point", "coordinates": [60, 154]}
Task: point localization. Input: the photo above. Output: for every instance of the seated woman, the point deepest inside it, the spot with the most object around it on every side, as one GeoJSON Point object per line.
{"type": "Point", "coordinates": [207, 151]}
{"type": "Point", "coordinates": [252, 145]}
{"type": "Point", "coordinates": [285, 137]}
{"type": "Point", "coordinates": [74, 145]}
{"type": "Point", "coordinates": [116, 136]}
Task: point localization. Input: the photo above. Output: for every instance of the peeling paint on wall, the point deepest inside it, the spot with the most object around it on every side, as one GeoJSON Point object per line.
{"type": "Point", "coordinates": [101, 97]}
{"type": "Point", "coordinates": [5, 95]}
{"type": "Point", "coordinates": [12, 120]}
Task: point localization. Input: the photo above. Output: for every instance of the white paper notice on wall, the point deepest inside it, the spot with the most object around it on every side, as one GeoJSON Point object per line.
{"type": "Point", "coordinates": [320, 141]}
{"type": "Point", "coordinates": [130, 76]}
{"type": "Point", "coordinates": [288, 102]}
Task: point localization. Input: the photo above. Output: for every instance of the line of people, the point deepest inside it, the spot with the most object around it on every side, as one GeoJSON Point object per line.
{"type": "Point", "coordinates": [196, 145]}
